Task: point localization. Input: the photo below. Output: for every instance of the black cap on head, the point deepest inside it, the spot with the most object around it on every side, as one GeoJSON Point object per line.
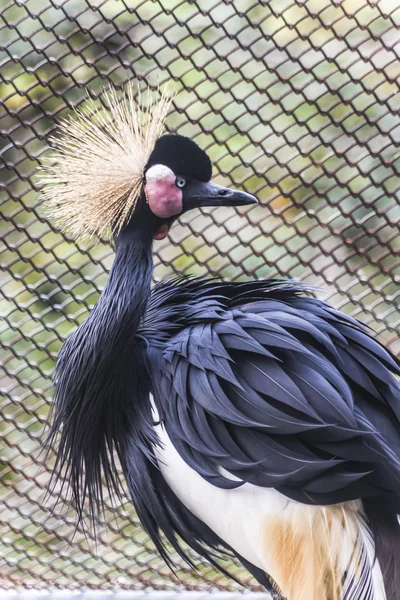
{"type": "Point", "coordinates": [182, 155]}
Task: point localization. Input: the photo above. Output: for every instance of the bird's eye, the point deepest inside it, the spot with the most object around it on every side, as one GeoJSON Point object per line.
{"type": "Point", "coordinates": [180, 182]}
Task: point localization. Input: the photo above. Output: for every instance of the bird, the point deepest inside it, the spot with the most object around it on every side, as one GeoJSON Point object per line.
{"type": "Point", "coordinates": [249, 418]}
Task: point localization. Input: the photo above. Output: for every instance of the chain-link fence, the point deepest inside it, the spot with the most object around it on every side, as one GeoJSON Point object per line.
{"type": "Point", "coordinates": [296, 101]}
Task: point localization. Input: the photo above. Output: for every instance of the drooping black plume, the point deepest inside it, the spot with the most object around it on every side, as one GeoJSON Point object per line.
{"type": "Point", "coordinates": [96, 403]}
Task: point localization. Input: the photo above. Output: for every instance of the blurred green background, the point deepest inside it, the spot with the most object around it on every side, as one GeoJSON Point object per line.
{"type": "Point", "coordinates": [295, 101]}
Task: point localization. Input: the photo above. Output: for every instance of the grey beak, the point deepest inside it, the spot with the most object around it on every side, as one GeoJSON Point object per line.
{"type": "Point", "coordinates": [198, 194]}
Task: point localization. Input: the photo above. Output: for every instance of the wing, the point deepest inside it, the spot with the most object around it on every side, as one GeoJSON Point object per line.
{"type": "Point", "coordinates": [290, 395]}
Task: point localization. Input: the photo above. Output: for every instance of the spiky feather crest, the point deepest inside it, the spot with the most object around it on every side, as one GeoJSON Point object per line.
{"type": "Point", "coordinates": [93, 179]}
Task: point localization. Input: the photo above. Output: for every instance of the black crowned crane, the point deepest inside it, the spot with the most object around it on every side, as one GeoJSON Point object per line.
{"type": "Point", "coordinates": [246, 416]}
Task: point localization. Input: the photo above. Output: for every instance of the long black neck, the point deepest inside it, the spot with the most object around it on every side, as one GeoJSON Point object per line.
{"type": "Point", "coordinates": [101, 382]}
{"type": "Point", "coordinates": [121, 306]}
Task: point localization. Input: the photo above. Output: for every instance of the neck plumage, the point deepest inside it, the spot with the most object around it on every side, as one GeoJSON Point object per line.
{"type": "Point", "coordinates": [123, 302]}
{"type": "Point", "coordinates": [101, 382]}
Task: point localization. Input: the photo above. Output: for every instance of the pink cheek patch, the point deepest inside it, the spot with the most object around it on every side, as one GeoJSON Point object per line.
{"type": "Point", "coordinates": [164, 198]}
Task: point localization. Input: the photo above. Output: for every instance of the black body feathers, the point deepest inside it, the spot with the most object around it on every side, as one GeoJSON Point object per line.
{"type": "Point", "coordinates": [254, 383]}
{"type": "Point", "coordinates": [278, 388]}
{"type": "Point", "coordinates": [288, 393]}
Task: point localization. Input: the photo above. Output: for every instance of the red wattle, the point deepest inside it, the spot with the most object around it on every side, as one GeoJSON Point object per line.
{"type": "Point", "coordinates": [162, 232]}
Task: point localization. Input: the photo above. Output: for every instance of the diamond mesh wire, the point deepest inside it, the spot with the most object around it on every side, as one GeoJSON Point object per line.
{"type": "Point", "coordinates": [295, 101]}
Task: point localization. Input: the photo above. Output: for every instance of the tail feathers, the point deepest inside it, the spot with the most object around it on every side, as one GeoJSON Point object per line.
{"type": "Point", "coordinates": [385, 529]}
{"type": "Point", "coordinates": [362, 578]}
{"type": "Point", "coordinates": [353, 557]}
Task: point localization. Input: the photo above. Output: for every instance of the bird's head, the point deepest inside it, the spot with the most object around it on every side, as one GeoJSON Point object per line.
{"type": "Point", "coordinates": [177, 179]}
{"type": "Point", "coordinates": [111, 169]}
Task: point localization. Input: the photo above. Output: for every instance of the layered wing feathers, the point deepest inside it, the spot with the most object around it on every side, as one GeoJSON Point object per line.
{"type": "Point", "coordinates": [282, 392]}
